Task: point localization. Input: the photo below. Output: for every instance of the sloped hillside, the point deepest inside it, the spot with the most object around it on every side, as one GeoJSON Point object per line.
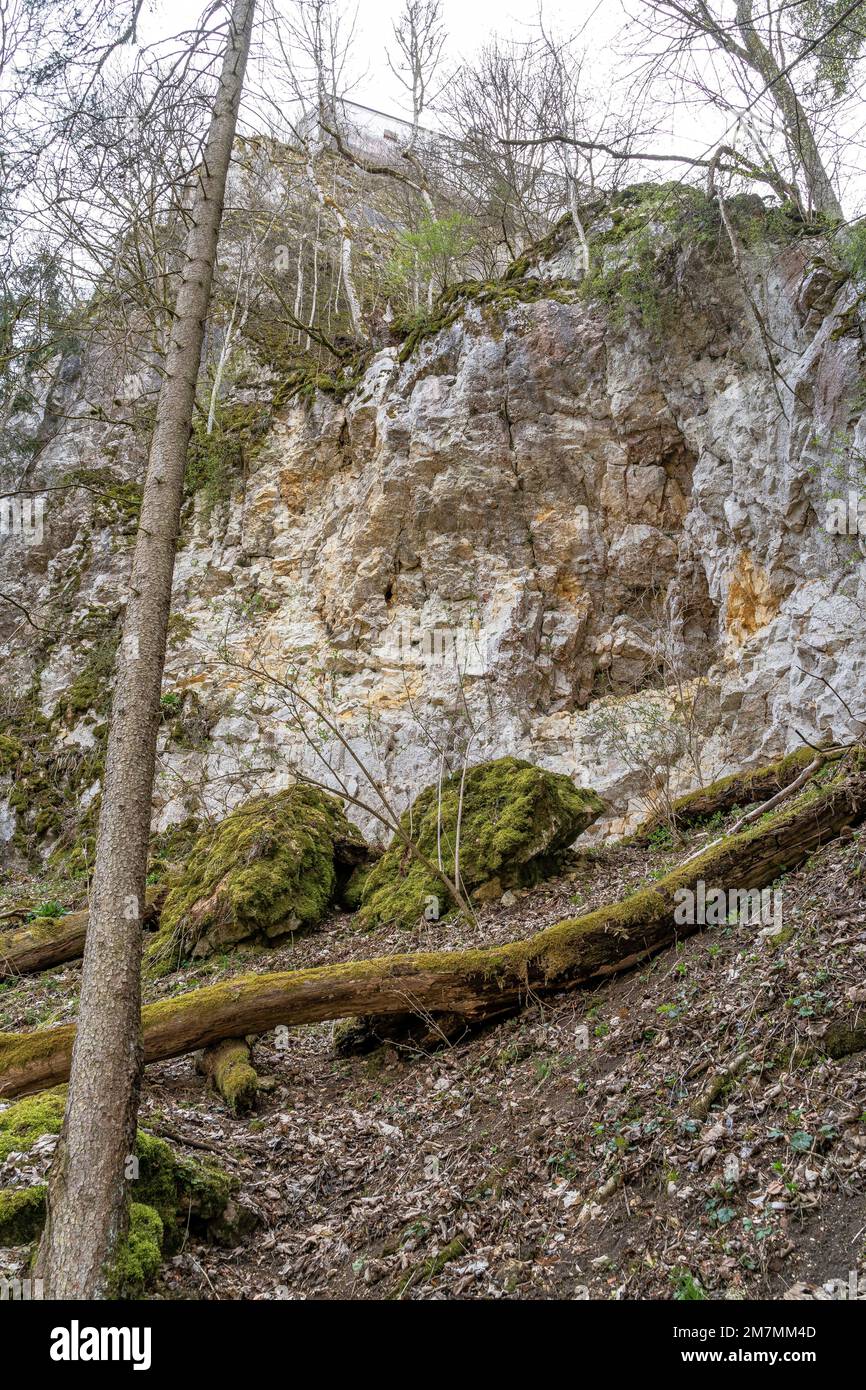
{"type": "Point", "coordinates": [693, 1129]}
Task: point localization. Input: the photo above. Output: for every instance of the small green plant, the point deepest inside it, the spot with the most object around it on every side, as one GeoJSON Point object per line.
{"type": "Point", "coordinates": [686, 1287]}
{"type": "Point", "coordinates": [431, 253]}
{"type": "Point", "coordinates": [49, 909]}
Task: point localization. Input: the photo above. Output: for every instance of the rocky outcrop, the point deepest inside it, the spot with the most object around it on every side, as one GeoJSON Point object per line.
{"type": "Point", "coordinates": [555, 505]}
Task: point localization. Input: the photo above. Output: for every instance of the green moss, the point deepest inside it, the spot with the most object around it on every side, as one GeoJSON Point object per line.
{"type": "Point", "coordinates": [99, 631]}
{"type": "Point", "coordinates": [636, 248]}
{"type": "Point", "coordinates": [558, 237]}
{"type": "Point", "coordinates": [117, 501]}
{"type": "Point", "coordinates": [180, 628]}
{"type": "Point", "coordinates": [269, 868]}
{"type": "Point", "coordinates": [25, 1121]}
{"type": "Point", "coordinates": [635, 242]}
{"type": "Point", "coordinates": [737, 789]}
{"type": "Point", "coordinates": [11, 752]}
{"type": "Point", "coordinates": [139, 1255]}
{"type": "Point", "coordinates": [306, 379]}
{"type": "Point", "coordinates": [185, 1193]}
{"type": "Point", "coordinates": [235, 1076]}
{"type": "Point", "coordinates": [849, 321]}
{"type": "Point", "coordinates": [428, 1269]}
{"type": "Point", "coordinates": [516, 820]}
{"type": "Point", "coordinates": [215, 461]}
{"type": "Point", "coordinates": [22, 1214]}
{"type": "Point", "coordinates": [497, 294]}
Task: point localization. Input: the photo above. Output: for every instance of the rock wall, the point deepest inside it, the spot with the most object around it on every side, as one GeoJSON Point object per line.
{"type": "Point", "coordinates": [507, 542]}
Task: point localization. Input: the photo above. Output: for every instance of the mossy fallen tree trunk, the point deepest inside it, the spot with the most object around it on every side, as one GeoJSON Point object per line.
{"type": "Point", "coordinates": [739, 789]}
{"type": "Point", "coordinates": [473, 983]}
{"type": "Point", "coordinates": [48, 941]}
{"type": "Point", "coordinates": [42, 943]}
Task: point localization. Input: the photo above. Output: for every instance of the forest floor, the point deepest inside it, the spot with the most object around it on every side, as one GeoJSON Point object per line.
{"type": "Point", "coordinates": [571, 1151]}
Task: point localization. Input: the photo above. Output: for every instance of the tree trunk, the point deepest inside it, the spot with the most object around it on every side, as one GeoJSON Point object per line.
{"type": "Point", "coordinates": [476, 983]}
{"type": "Point", "coordinates": [87, 1208]}
{"type": "Point", "coordinates": [347, 273]}
{"type": "Point", "coordinates": [740, 789]}
{"type": "Point", "coordinates": [228, 1066]}
{"type": "Point", "coordinates": [794, 118]}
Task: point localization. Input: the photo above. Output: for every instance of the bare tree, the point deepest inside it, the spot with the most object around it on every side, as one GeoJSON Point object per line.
{"type": "Point", "coordinates": [793, 61]}
{"type": "Point", "coordinates": [319, 42]}
{"type": "Point", "coordinates": [87, 1207]}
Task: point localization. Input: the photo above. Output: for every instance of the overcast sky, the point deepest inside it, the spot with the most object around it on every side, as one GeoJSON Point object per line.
{"type": "Point", "coordinates": [469, 23]}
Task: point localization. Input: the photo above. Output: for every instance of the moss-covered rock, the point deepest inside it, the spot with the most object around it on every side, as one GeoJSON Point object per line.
{"type": "Point", "coordinates": [516, 821]}
{"type": "Point", "coordinates": [187, 1194]}
{"type": "Point", "coordinates": [22, 1123]}
{"type": "Point", "coordinates": [272, 867]}
{"type": "Point", "coordinates": [140, 1254]}
{"type": "Point", "coordinates": [11, 751]}
{"type": "Point", "coordinates": [22, 1214]}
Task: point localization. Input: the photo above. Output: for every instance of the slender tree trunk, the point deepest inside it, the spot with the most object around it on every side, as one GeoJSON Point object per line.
{"type": "Point", "coordinates": [87, 1207]}
{"type": "Point", "coordinates": [796, 122]}
{"type": "Point", "coordinates": [346, 267]}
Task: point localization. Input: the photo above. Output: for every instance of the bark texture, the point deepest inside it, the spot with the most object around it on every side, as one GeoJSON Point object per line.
{"type": "Point", "coordinates": [87, 1207]}
{"type": "Point", "coordinates": [475, 983]}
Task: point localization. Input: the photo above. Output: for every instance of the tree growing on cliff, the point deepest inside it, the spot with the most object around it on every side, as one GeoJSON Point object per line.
{"type": "Point", "coordinates": [87, 1206]}
{"type": "Point", "coordinates": [789, 66]}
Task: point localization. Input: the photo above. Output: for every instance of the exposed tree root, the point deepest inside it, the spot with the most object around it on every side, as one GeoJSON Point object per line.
{"type": "Point", "coordinates": [472, 983]}
{"type": "Point", "coordinates": [717, 1083]}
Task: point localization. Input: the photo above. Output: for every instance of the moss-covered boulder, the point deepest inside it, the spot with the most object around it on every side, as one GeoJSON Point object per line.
{"type": "Point", "coordinates": [22, 1214]}
{"type": "Point", "coordinates": [25, 1121]}
{"type": "Point", "coordinates": [270, 868]}
{"type": "Point", "coordinates": [516, 821]}
{"type": "Point", "coordinates": [137, 1261]}
{"type": "Point", "coordinates": [186, 1195]}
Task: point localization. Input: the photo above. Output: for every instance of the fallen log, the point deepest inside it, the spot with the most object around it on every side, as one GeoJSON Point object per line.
{"type": "Point", "coordinates": [739, 789]}
{"type": "Point", "coordinates": [41, 943]}
{"type": "Point", "coordinates": [228, 1066]}
{"type": "Point", "coordinates": [579, 951]}
{"type": "Point", "coordinates": [48, 941]}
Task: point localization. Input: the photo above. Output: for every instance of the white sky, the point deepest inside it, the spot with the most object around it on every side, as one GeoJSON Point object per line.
{"type": "Point", "coordinates": [469, 23]}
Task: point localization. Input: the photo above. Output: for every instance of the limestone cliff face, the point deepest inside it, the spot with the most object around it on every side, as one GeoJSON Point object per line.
{"type": "Point", "coordinates": [542, 513]}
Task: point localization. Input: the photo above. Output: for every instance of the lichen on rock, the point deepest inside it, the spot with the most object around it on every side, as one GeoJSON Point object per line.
{"type": "Point", "coordinates": [271, 867]}
{"type": "Point", "coordinates": [516, 821]}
